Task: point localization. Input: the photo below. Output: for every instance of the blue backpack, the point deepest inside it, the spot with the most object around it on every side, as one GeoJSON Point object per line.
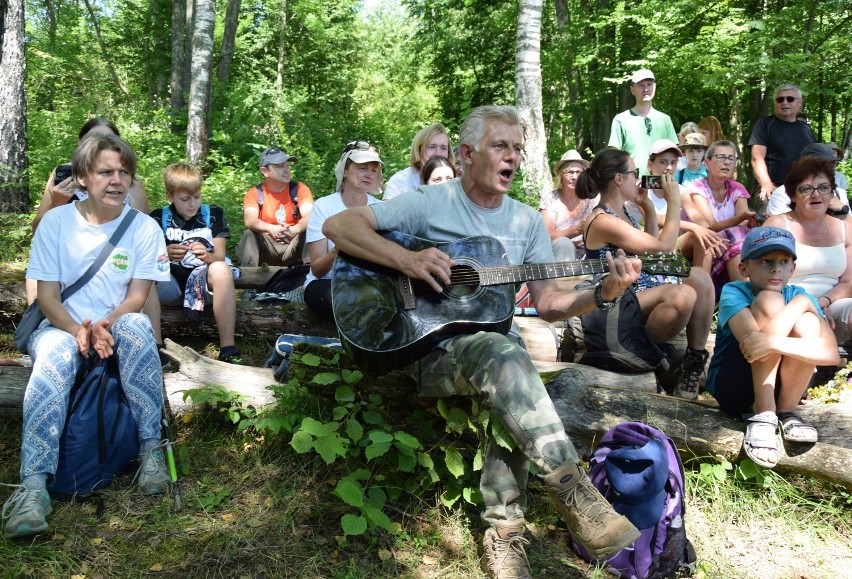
{"type": "Point", "coordinates": [100, 437]}
{"type": "Point", "coordinates": [280, 358]}
{"type": "Point", "coordinates": [639, 471]}
{"type": "Point", "coordinates": [166, 216]}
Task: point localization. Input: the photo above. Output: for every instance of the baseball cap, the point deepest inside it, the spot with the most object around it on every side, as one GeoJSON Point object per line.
{"type": "Point", "coordinates": [821, 150]}
{"type": "Point", "coordinates": [642, 74]}
{"type": "Point", "coordinates": [274, 156]}
{"type": "Point", "coordinates": [357, 152]}
{"type": "Point", "coordinates": [662, 145]}
{"type": "Point", "coordinates": [694, 141]}
{"type": "Point", "coordinates": [638, 475]}
{"type": "Point", "coordinates": [761, 240]}
{"type": "Point", "coordinates": [570, 156]}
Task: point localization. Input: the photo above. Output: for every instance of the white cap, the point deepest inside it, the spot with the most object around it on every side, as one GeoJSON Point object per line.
{"type": "Point", "coordinates": [642, 74]}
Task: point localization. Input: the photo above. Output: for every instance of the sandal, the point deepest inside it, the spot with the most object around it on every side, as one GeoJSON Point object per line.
{"type": "Point", "coordinates": [760, 434]}
{"type": "Point", "coordinates": [794, 430]}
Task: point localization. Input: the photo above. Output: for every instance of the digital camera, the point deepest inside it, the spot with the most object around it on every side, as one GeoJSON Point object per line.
{"type": "Point", "coordinates": [62, 172]}
{"type": "Point", "coordinates": [652, 182]}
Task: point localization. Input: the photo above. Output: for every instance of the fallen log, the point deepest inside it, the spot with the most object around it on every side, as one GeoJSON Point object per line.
{"type": "Point", "coordinates": [589, 402]}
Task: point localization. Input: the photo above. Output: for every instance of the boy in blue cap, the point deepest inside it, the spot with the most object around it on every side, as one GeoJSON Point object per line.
{"type": "Point", "coordinates": [774, 334]}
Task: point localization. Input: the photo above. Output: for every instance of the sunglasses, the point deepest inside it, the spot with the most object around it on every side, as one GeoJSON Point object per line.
{"type": "Point", "coordinates": [271, 151]}
{"type": "Point", "coordinates": [359, 146]}
{"type": "Point", "coordinates": [648, 125]}
{"type": "Point", "coordinates": [788, 98]}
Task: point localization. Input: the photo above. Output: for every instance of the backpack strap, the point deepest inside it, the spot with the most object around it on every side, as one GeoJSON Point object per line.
{"type": "Point", "coordinates": [294, 197]}
{"type": "Point", "coordinates": [259, 188]}
{"type": "Point", "coordinates": [165, 218]}
{"type": "Point", "coordinates": [205, 214]}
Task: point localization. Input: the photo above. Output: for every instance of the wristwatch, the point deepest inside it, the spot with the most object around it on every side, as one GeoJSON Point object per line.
{"type": "Point", "coordinates": [599, 301]}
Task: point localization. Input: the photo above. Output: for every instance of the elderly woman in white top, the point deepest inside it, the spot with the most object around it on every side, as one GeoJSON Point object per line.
{"type": "Point", "coordinates": [563, 212]}
{"type": "Point", "coordinates": [429, 142]}
{"type": "Point", "coordinates": [823, 243]}
{"type": "Point", "coordinates": [358, 172]}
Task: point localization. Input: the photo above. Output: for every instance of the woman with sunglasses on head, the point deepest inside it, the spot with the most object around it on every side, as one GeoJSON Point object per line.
{"type": "Point", "coordinates": [429, 142]}
{"type": "Point", "coordinates": [358, 173]}
{"type": "Point", "coordinates": [437, 170]}
{"type": "Point", "coordinates": [720, 203]}
{"type": "Point", "coordinates": [667, 308]}
{"type": "Point", "coordinates": [823, 243]}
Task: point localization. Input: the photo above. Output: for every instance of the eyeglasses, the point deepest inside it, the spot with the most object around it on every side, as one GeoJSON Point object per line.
{"type": "Point", "coordinates": [634, 172]}
{"type": "Point", "coordinates": [808, 190]}
{"type": "Point", "coordinates": [725, 158]}
{"type": "Point", "coordinates": [572, 172]}
{"type": "Point", "coordinates": [648, 125]}
{"type": "Point", "coordinates": [359, 146]}
{"type": "Point", "coordinates": [788, 98]}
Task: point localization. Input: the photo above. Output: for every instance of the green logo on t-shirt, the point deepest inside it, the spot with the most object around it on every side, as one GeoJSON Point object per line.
{"type": "Point", "coordinates": [119, 262]}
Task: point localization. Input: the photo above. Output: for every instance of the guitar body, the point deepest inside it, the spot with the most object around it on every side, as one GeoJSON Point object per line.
{"type": "Point", "coordinates": [371, 303]}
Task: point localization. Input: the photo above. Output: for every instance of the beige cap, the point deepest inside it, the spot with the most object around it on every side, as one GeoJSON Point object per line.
{"type": "Point", "coordinates": [571, 155]}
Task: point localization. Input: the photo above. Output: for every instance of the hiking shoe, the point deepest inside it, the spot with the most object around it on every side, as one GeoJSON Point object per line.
{"type": "Point", "coordinates": [26, 512]}
{"type": "Point", "coordinates": [690, 377]}
{"type": "Point", "coordinates": [504, 551]}
{"type": "Point", "coordinates": [589, 516]}
{"type": "Point", "coordinates": [153, 475]}
{"type": "Point", "coordinates": [231, 357]}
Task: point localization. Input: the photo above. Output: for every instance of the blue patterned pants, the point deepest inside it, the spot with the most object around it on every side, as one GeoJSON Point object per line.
{"type": "Point", "coordinates": [499, 370]}
{"type": "Point", "coordinates": [56, 362]}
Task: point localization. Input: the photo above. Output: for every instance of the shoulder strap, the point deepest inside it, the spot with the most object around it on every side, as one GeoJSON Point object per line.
{"type": "Point", "coordinates": [102, 257]}
{"type": "Point", "coordinates": [205, 214]}
{"type": "Point", "coordinates": [259, 196]}
{"type": "Point", "coordinates": [165, 218]}
{"type": "Point", "coordinates": [294, 196]}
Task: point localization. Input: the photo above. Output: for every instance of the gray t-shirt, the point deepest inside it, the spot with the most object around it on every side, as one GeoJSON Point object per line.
{"type": "Point", "coordinates": [444, 213]}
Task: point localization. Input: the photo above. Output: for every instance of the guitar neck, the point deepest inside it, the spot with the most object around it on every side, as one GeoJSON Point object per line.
{"type": "Point", "coordinates": [535, 271]}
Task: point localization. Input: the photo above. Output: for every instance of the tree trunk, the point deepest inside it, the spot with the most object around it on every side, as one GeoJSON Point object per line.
{"type": "Point", "coordinates": [528, 98]}
{"type": "Point", "coordinates": [176, 82]}
{"type": "Point", "coordinates": [232, 19]}
{"type": "Point", "coordinates": [104, 54]}
{"type": "Point", "coordinates": [197, 134]}
{"type": "Point", "coordinates": [586, 405]}
{"type": "Point", "coordinates": [189, 31]}
{"type": "Point", "coordinates": [282, 36]}
{"type": "Point", "coordinates": [14, 188]}
{"type": "Point", "coordinates": [561, 8]}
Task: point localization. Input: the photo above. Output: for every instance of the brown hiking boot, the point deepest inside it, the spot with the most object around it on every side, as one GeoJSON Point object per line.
{"type": "Point", "coordinates": [504, 551]}
{"type": "Point", "coordinates": [589, 516]}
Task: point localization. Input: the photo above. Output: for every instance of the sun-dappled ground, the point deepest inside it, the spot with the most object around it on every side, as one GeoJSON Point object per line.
{"type": "Point", "coordinates": [254, 508]}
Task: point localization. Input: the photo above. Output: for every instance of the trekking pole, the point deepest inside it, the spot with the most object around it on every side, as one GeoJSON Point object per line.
{"type": "Point", "coordinates": [168, 417]}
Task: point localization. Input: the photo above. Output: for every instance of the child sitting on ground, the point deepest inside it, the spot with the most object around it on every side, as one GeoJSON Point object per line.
{"type": "Point", "coordinates": [773, 333]}
{"type": "Point", "coordinates": [195, 240]}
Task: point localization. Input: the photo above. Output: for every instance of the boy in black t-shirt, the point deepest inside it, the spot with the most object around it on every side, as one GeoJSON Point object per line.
{"type": "Point", "coordinates": [195, 240]}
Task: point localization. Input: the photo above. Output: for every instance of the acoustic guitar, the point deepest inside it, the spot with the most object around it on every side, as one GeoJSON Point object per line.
{"type": "Point", "coordinates": [387, 320]}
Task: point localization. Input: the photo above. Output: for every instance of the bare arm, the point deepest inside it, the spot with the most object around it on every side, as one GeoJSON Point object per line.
{"type": "Point", "coordinates": [550, 224]}
{"type": "Point", "coordinates": [843, 289]}
{"type": "Point", "coordinates": [138, 197]}
{"type": "Point", "coordinates": [761, 173]}
{"type": "Point", "coordinates": [321, 257]}
{"type": "Point", "coordinates": [354, 232]}
{"type": "Point", "coordinates": [302, 225]}
{"type": "Point", "coordinates": [252, 220]}
{"type": "Point", "coordinates": [54, 196]}
{"type": "Point", "coordinates": [552, 304]}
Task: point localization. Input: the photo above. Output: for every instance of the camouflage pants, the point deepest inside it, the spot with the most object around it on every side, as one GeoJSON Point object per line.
{"type": "Point", "coordinates": [498, 369]}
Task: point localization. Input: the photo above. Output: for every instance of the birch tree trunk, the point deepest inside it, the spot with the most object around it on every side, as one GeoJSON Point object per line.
{"type": "Point", "coordinates": [176, 82]}
{"type": "Point", "coordinates": [94, 18]}
{"type": "Point", "coordinates": [279, 77]}
{"type": "Point", "coordinates": [197, 134]}
{"type": "Point", "coordinates": [14, 191]}
{"type": "Point", "coordinates": [528, 98]}
{"type": "Point", "coordinates": [232, 19]}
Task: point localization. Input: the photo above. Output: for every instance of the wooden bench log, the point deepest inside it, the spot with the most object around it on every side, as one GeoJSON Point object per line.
{"type": "Point", "coordinates": [589, 402]}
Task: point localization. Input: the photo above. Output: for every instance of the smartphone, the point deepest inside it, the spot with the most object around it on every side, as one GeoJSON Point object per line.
{"type": "Point", "coordinates": [62, 172]}
{"type": "Point", "coordinates": [652, 182]}
{"type": "Point", "coordinates": [759, 216]}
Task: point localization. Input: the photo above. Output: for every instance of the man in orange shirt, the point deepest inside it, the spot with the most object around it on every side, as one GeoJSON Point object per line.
{"type": "Point", "coordinates": [275, 214]}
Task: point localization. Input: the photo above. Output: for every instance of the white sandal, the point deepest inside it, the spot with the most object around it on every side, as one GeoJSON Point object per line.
{"type": "Point", "coordinates": [760, 434]}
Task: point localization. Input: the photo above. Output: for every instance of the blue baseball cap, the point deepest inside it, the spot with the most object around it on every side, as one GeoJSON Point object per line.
{"type": "Point", "coordinates": [638, 475]}
{"type": "Point", "coordinates": [762, 240]}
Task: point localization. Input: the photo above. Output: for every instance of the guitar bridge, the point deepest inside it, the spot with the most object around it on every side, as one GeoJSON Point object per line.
{"type": "Point", "coordinates": [406, 290]}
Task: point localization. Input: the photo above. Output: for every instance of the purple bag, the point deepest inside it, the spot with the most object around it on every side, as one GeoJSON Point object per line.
{"type": "Point", "coordinates": [639, 471]}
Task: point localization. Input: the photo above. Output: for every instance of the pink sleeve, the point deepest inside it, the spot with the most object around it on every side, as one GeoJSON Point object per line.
{"type": "Point", "coordinates": [738, 191]}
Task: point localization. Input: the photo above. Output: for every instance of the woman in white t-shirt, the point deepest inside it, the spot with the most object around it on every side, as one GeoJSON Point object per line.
{"type": "Point", "coordinates": [101, 319]}
{"type": "Point", "coordinates": [429, 142]}
{"type": "Point", "coordinates": [358, 171]}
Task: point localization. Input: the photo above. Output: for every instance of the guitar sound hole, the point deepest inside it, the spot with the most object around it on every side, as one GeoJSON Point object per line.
{"type": "Point", "coordinates": [465, 282]}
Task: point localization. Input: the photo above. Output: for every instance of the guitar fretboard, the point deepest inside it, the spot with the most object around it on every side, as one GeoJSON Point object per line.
{"type": "Point", "coordinates": [535, 271]}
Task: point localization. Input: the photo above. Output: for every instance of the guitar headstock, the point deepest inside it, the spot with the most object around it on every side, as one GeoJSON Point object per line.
{"type": "Point", "coordinates": [665, 264]}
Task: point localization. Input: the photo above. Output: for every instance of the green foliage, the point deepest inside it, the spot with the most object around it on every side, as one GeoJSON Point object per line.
{"type": "Point", "coordinates": [836, 390]}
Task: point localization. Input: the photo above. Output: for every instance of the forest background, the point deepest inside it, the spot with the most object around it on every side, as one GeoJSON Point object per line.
{"type": "Point", "coordinates": [218, 82]}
